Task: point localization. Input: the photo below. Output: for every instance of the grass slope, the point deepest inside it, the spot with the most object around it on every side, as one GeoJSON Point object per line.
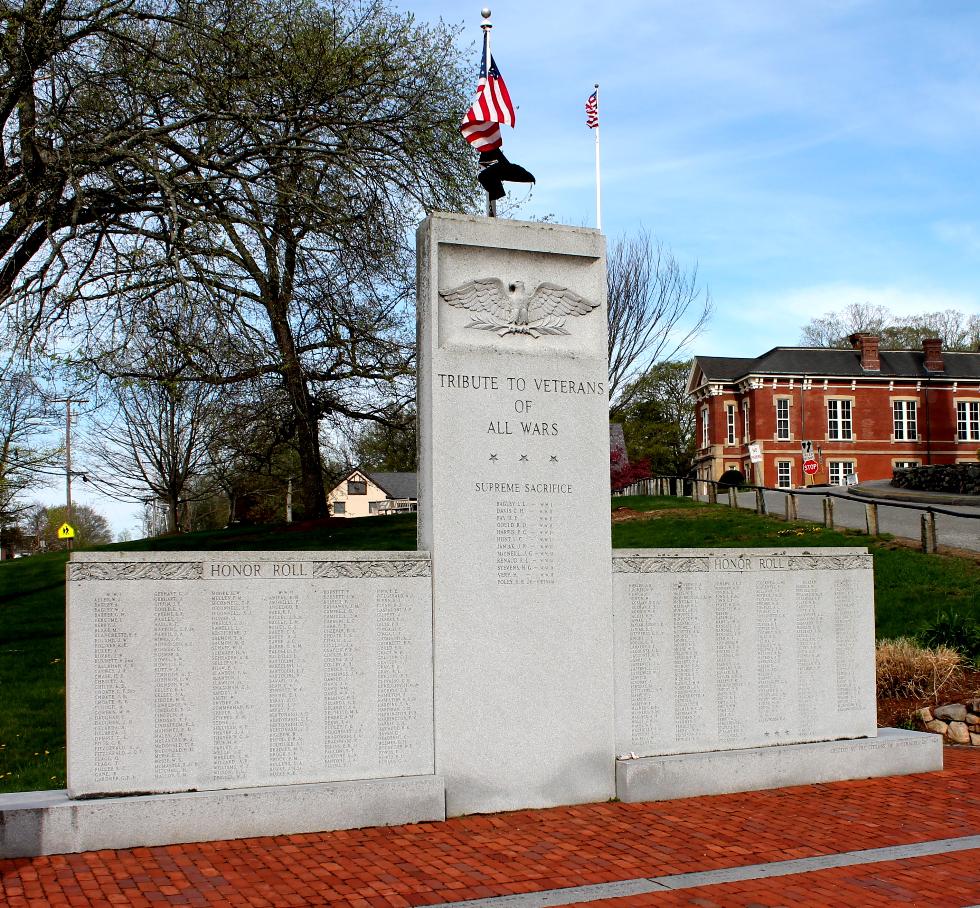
{"type": "Point", "coordinates": [909, 588]}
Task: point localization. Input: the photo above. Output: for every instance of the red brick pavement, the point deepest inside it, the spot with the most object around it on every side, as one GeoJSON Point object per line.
{"type": "Point", "coordinates": [526, 851]}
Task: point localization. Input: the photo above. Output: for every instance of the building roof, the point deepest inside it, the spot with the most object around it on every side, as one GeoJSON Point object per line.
{"type": "Point", "coordinates": [396, 485]}
{"type": "Point", "coordinates": [826, 361]}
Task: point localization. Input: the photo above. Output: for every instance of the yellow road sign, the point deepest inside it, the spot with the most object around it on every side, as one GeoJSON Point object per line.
{"type": "Point", "coordinates": [66, 531]}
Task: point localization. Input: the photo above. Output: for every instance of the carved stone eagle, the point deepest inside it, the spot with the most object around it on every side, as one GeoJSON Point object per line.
{"type": "Point", "coordinates": [513, 311]}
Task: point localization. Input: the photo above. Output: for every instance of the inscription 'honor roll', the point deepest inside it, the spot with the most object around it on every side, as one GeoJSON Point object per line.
{"type": "Point", "coordinates": [514, 508]}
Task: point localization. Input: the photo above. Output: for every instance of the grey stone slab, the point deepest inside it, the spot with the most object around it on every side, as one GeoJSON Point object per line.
{"type": "Point", "coordinates": [739, 648]}
{"type": "Point", "coordinates": [212, 670]}
{"type": "Point", "coordinates": [513, 505]}
{"type": "Point", "coordinates": [678, 881]}
{"type": "Point", "coordinates": [49, 822]}
{"type": "Point", "coordinates": [818, 862]}
{"type": "Point", "coordinates": [892, 752]}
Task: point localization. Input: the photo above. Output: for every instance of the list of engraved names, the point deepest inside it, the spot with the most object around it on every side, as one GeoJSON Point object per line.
{"type": "Point", "coordinates": [252, 682]}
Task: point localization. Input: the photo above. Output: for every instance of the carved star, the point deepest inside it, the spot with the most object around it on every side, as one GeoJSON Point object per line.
{"type": "Point", "coordinates": [524, 458]}
{"type": "Point", "coordinates": [493, 457]}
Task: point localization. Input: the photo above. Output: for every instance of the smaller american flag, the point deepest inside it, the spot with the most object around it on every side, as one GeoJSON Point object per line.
{"type": "Point", "coordinates": [592, 110]}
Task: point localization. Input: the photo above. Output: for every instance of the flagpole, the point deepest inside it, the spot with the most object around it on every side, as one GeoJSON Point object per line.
{"type": "Point", "coordinates": [486, 26]}
{"type": "Point", "coordinates": [598, 174]}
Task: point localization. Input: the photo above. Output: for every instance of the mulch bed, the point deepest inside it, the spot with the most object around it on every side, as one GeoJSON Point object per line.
{"type": "Point", "coordinates": [897, 712]}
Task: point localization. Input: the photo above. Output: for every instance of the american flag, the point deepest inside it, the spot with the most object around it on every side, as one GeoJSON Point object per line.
{"type": "Point", "coordinates": [491, 107]}
{"type": "Point", "coordinates": [592, 110]}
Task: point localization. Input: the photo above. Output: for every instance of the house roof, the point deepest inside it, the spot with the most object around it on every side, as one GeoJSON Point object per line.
{"type": "Point", "coordinates": [826, 361]}
{"type": "Point", "coordinates": [396, 485]}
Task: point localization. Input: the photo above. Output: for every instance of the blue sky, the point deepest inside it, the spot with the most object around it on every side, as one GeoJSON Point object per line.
{"type": "Point", "coordinates": [806, 156]}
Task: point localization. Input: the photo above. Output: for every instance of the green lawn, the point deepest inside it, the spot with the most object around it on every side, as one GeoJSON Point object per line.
{"type": "Point", "coordinates": [909, 589]}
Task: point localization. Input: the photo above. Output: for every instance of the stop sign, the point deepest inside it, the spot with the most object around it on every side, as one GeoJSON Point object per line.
{"type": "Point", "coordinates": [809, 467]}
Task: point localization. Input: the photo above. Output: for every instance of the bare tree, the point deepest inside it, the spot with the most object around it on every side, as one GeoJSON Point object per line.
{"type": "Point", "coordinates": [656, 309]}
{"type": "Point", "coordinates": [26, 419]}
{"type": "Point", "coordinates": [833, 328]}
{"type": "Point", "coordinates": [157, 439]}
{"type": "Point", "coordinates": [958, 330]}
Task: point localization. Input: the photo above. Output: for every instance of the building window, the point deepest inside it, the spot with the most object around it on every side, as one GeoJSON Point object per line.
{"type": "Point", "coordinates": [784, 474]}
{"type": "Point", "coordinates": [730, 411]}
{"type": "Point", "coordinates": [782, 419]}
{"type": "Point", "coordinates": [357, 487]}
{"type": "Point", "coordinates": [904, 420]}
{"type": "Point", "coordinates": [340, 507]}
{"type": "Point", "coordinates": [746, 433]}
{"type": "Point", "coordinates": [704, 427]}
{"type": "Point", "coordinates": [839, 420]}
{"type": "Point", "coordinates": [839, 471]}
{"type": "Point", "coordinates": [374, 507]}
{"type": "Point", "coordinates": [968, 420]}
{"type": "Point", "coordinates": [905, 464]}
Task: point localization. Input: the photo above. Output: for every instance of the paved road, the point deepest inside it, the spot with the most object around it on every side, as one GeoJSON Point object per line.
{"type": "Point", "coordinates": [960, 532]}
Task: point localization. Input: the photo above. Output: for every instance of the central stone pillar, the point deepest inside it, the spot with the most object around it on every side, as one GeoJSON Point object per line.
{"type": "Point", "coordinates": [514, 509]}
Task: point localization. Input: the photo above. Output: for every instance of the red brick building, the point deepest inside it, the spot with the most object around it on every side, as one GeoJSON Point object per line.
{"type": "Point", "coordinates": [866, 411]}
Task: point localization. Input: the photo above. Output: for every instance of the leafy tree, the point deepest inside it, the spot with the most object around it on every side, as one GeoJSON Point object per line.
{"type": "Point", "coordinates": [389, 448]}
{"type": "Point", "coordinates": [656, 309]}
{"type": "Point", "coordinates": [659, 421]}
{"type": "Point", "coordinates": [264, 157]}
{"type": "Point", "coordinates": [78, 143]}
{"type": "Point", "coordinates": [958, 330]}
{"type": "Point", "coordinates": [91, 528]}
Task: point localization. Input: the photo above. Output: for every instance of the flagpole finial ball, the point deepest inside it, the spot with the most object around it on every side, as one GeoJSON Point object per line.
{"type": "Point", "coordinates": [485, 12]}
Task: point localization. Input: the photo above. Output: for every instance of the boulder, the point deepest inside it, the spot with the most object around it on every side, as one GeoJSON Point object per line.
{"type": "Point", "coordinates": [958, 733]}
{"type": "Point", "coordinates": [938, 727]}
{"type": "Point", "coordinates": [951, 712]}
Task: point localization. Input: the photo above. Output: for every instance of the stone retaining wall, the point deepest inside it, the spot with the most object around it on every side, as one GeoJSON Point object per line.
{"type": "Point", "coordinates": [958, 723]}
{"type": "Point", "coordinates": [958, 478]}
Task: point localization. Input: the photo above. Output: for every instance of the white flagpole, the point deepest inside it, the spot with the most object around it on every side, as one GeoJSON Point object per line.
{"type": "Point", "coordinates": [486, 26]}
{"type": "Point", "coordinates": [598, 174]}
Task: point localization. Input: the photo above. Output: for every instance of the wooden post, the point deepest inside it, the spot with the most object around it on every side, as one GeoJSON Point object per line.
{"type": "Point", "coordinates": [732, 497]}
{"type": "Point", "coordinates": [760, 502]}
{"type": "Point", "coordinates": [929, 540]}
{"type": "Point", "coordinates": [791, 510]}
{"type": "Point", "coordinates": [828, 512]}
{"type": "Point", "coordinates": [712, 493]}
{"type": "Point", "coordinates": [871, 518]}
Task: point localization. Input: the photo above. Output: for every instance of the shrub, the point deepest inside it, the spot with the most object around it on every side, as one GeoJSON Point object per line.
{"type": "Point", "coordinates": [956, 630]}
{"type": "Point", "coordinates": [905, 668]}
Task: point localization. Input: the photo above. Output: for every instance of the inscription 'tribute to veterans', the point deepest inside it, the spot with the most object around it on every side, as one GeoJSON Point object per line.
{"type": "Point", "coordinates": [523, 405]}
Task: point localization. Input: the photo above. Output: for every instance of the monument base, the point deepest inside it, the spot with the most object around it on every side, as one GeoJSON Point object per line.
{"type": "Point", "coordinates": [48, 822]}
{"type": "Point", "coordinates": [893, 752]}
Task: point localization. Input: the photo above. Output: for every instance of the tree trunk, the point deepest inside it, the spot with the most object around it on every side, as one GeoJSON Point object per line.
{"type": "Point", "coordinates": [312, 493]}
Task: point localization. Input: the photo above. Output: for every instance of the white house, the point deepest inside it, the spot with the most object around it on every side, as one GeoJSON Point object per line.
{"type": "Point", "coordinates": [364, 494]}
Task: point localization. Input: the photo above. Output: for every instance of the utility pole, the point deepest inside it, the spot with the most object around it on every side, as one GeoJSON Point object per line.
{"type": "Point", "coordinates": [68, 401]}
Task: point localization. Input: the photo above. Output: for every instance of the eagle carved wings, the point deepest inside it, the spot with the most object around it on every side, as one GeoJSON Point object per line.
{"type": "Point", "coordinates": [511, 310]}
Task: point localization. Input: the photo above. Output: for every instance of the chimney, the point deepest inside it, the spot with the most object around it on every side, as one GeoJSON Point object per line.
{"type": "Point", "coordinates": [932, 347]}
{"type": "Point", "coordinates": [868, 345]}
